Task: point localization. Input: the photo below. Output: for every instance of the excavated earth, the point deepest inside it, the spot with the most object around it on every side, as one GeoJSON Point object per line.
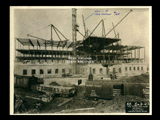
{"type": "Point", "coordinates": [79, 104]}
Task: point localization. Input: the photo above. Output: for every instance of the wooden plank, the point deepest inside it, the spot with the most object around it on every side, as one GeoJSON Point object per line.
{"type": "Point", "coordinates": [116, 93]}
{"type": "Point", "coordinates": [65, 102]}
{"type": "Point", "coordinates": [33, 98]}
{"type": "Point", "coordinates": [72, 110]}
{"type": "Point", "coordinates": [116, 90]}
{"type": "Point", "coordinates": [85, 109]}
{"type": "Point", "coordinates": [96, 103]}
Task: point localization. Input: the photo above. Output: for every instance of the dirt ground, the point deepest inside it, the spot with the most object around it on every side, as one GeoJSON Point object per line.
{"type": "Point", "coordinates": [79, 104]}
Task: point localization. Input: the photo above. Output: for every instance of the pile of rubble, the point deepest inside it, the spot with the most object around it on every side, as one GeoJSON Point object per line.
{"type": "Point", "coordinates": [116, 105]}
{"type": "Point", "coordinates": [143, 78]}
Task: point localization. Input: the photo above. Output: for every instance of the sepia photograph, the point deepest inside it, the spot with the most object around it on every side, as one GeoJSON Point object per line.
{"type": "Point", "coordinates": [80, 60]}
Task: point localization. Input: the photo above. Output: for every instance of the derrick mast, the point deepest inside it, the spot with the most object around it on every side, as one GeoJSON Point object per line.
{"type": "Point", "coordinates": [74, 37]}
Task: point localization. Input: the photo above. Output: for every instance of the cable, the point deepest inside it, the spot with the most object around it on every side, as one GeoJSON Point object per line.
{"type": "Point", "coordinates": [119, 22]}
{"type": "Point", "coordinates": [39, 29]}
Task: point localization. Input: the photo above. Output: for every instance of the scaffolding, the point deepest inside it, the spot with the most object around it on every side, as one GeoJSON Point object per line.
{"type": "Point", "coordinates": [101, 50]}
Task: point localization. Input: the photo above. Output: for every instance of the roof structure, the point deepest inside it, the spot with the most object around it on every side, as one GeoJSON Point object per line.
{"type": "Point", "coordinates": [115, 47]}
{"type": "Point", "coordinates": [122, 47]}
{"type": "Point", "coordinates": [40, 58]}
{"type": "Point", "coordinates": [133, 47]}
{"type": "Point", "coordinates": [41, 42]}
{"type": "Point", "coordinates": [47, 52]}
{"type": "Point", "coordinates": [100, 40]}
{"type": "Point", "coordinates": [94, 44]}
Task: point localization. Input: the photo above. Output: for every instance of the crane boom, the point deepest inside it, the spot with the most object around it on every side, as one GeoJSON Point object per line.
{"type": "Point", "coordinates": [114, 30]}
{"type": "Point", "coordinates": [84, 26]}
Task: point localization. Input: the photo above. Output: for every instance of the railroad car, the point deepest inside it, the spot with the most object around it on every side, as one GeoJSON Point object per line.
{"type": "Point", "coordinates": [63, 91]}
{"type": "Point", "coordinates": [98, 89]}
{"type": "Point", "coordinates": [26, 81]}
{"type": "Point", "coordinates": [108, 89]}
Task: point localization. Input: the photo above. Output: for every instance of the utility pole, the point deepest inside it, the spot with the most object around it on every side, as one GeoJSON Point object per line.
{"type": "Point", "coordinates": [74, 37]}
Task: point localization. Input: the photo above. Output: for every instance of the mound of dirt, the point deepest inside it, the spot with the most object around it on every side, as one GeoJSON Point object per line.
{"type": "Point", "coordinates": [116, 105]}
{"type": "Point", "coordinates": [143, 78]}
{"type": "Point", "coordinates": [54, 84]}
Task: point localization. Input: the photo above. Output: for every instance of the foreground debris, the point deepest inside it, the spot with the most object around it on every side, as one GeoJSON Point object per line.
{"type": "Point", "coordinates": [65, 102]}
{"type": "Point", "coordinates": [74, 104]}
{"type": "Point", "coordinates": [73, 110]}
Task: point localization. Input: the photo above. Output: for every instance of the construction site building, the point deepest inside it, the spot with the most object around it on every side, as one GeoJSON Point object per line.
{"type": "Point", "coordinates": [100, 56]}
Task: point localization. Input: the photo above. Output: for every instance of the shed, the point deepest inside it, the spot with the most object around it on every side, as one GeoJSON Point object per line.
{"type": "Point", "coordinates": [26, 81]}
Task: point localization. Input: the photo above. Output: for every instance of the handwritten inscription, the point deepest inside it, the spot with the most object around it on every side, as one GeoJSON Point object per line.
{"type": "Point", "coordinates": [103, 12]}
{"type": "Point", "coordinates": [106, 13]}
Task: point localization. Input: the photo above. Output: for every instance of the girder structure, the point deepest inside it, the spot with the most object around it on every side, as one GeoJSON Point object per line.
{"type": "Point", "coordinates": [98, 48]}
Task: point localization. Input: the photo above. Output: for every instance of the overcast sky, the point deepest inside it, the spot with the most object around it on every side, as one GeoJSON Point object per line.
{"type": "Point", "coordinates": [133, 30]}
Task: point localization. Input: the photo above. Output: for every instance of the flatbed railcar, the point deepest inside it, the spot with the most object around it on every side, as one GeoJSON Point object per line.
{"type": "Point", "coordinates": [64, 91]}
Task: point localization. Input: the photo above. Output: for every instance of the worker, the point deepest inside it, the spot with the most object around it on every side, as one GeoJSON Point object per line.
{"type": "Point", "coordinates": [115, 76]}
{"type": "Point", "coordinates": [33, 79]}
{"type": "Point", "coordinates": [111, 76]}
